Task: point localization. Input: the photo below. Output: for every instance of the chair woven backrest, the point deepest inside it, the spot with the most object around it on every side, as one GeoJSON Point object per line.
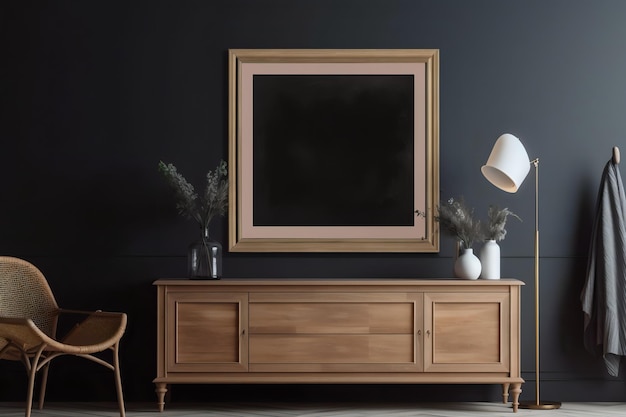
{"type": "Point", "coordinates": [25, 293]}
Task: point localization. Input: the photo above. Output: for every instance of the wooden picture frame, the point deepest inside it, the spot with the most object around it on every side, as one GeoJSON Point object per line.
{"type": "Point", "coordinates": [333, 150]}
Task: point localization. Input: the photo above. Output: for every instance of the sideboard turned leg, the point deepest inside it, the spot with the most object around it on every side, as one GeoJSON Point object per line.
{"type": "Point", "coordinates": [161, 390]}
{"type": "Point", "coordinates": [516, 390]}
{"type": "Point", "coordinates": [505, 392]}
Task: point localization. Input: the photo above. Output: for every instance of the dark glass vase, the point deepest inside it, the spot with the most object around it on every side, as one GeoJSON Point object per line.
{"type": "Point", "coordinates": [204, 259]}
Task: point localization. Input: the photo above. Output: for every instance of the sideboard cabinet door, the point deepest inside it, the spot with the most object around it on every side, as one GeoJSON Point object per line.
{"type": "Point", "coordinates": [467, 332]}
{"type": "Point", "coordinates": [206, 332]}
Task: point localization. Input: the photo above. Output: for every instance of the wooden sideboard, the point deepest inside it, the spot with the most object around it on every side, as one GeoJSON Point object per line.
{"type": "Point", "coordinates": [426, 331]}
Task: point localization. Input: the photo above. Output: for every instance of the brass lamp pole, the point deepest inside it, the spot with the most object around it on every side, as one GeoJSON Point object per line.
{"type": "Point", "coordinates": [507, 167]}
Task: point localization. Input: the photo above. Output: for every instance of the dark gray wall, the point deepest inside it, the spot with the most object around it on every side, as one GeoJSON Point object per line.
{"type": "Point", "coordinates": [95, 93]}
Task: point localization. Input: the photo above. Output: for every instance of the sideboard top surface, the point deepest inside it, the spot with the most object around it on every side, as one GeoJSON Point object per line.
{"type": "Point", "coordinates": [335, 282]}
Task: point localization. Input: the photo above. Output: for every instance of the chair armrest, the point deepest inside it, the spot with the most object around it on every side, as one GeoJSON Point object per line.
{"type": "Point", "coordinates": [98, 331]}
{"type": "Point", "coordinates": [22, 332]}
{"type": "Point", "coordinates": [88, 313]}
{"type": "Point", "coordinates": [77, 312]}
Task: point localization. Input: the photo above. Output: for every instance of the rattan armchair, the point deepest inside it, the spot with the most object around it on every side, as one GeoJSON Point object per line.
{"type": "Point", "coordinates": [29, 315]}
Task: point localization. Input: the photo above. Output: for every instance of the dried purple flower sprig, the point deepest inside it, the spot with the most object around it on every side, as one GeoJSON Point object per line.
{"type": "Point", "coordinates": [457, 220]}
{"type": "Point", "coordinates": [494, 228]}
{"type": "Point", "coordinates": [213, 201]}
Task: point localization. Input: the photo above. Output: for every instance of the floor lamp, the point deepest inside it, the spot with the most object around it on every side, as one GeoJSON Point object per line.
{"type": "Point", "coordinates": [507, 167]}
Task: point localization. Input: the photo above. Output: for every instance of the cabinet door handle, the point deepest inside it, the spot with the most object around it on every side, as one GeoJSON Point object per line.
{"type": "Point", "coordinates": [419, 332]}
{"type": "Point", "coordinates": [427, 333]}
{"type": "Point", "coordinates": [243, 332]}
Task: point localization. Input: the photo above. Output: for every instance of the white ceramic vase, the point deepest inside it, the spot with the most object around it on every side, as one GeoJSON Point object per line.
{"type": "Point", "coordinates": [490, 260]}
{"type": "Point", "coordinates": [467, 265]}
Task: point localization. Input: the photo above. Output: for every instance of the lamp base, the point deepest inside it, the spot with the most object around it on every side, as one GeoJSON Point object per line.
{"type": "Point", "coordinates": [543, 405]}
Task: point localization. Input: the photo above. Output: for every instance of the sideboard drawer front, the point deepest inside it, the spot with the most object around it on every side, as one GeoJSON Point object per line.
{"type": "Point", "coordinates": [332, 349]}
{"type": "Point", "coordinates": [332, 318]}
{"type": "Point", "coordinates": [335, 332]}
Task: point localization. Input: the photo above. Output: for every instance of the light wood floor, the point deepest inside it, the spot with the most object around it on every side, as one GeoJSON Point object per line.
{"type": "Point", "coordinates": [313, 410]}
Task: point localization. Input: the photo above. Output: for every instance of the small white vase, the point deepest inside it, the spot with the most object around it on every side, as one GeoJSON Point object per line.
{"type": "Point", "coordinates": [490, 260]}
{"type": "Point", "coordinates": [467, 265]}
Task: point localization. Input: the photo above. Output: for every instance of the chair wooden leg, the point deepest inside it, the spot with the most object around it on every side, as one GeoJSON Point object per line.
{"type": "Point", "coordinates": [44, 383]}
{"type": "Point", "coordinates": [31, 380]}
{"type": "Point", "coordinates": [118, 380]}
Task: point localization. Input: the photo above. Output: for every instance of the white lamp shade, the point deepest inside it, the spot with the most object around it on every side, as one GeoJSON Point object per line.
{"type": "Point", "coordinates": [508, 164]}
